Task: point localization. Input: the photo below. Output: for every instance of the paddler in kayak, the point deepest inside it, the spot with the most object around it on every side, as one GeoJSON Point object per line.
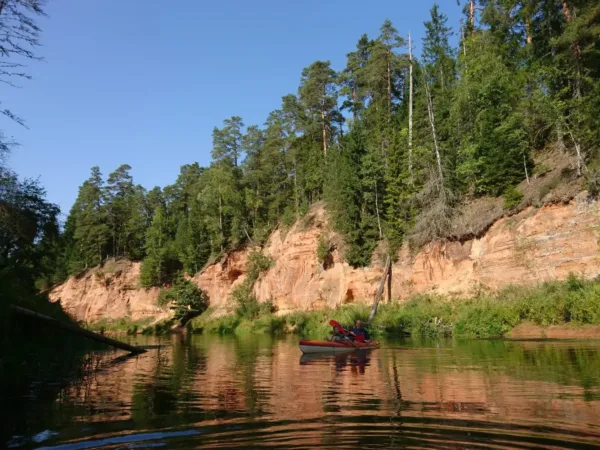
{"type": "Point", "coordinates": [340, 334]}
{"type": "Point", "coordinates": [359, 333]}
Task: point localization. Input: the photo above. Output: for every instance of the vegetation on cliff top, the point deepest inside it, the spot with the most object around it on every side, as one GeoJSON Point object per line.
{"type": "Point", "coordinates": [486, 315]}
{"type": "Point", "coordinates": [392, 142]}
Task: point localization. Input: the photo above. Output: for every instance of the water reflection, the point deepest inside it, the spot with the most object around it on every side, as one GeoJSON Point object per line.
{"type": "Point", "coordinates": [356, 360]}
{"type": "Point", "coordinates": [209, 392]}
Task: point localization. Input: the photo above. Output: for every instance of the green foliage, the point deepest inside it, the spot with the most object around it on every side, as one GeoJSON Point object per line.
{"type": "Point", "coordinates": [185, 299]}
{"type": "Point", "coordinates": [120, 326]}
{"type": "Point", "coordinates": [265, 323]}
{"type": "Point", "coordinates": [524, 78]}
{"type": "Point", "coordinates": [487, 315]}
{"type": "Point", "coordinates": [593, 183]}
{"type": "Point", "coordinates": [161, 263]}
{"type": "Point", "coordinates": [257, 263]}
{"type": "Point", "coordinates": [323, 248]}
{"type": "Point", "coordinates": [245, 302]}
{"type": "Point", "coordinates": [512, 198]}
{"type": "Point", "coordinates": [222, 325]}
{"type": "Point", "coordinates": [247, 305]}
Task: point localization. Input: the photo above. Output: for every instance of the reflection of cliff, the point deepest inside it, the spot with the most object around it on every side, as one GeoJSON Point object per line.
{"type": "Point", "coordinates": [213, 382]}
{"type": "Point", "coordinates": [532, 246]}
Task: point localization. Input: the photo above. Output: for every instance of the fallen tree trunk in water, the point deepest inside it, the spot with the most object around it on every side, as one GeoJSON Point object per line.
{"type": "Point", "coordinates": [77, 330]}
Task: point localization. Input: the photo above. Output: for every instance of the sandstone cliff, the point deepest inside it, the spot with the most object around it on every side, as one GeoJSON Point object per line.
{"type": "Point", "coordinates": [108, 292]}
{"type": "Point", "coordinates": [533, 246]}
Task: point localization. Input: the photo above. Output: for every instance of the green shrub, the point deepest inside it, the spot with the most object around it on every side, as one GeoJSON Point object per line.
{"type": "Point", "coordinates": [222, 325]}
{"type": "Point", "coordinates": [512, 198]}
{"type": "Point", "coordinates": [488, 315]}
{"type": "Point", "coordinates": [266, 323]}
{"type": "Point", "coordinates": [247, 305]}
{"type": "Point", "coordinates": [593, 183]}
{"type": "Point", "coordinates": [485, 319]}
{"type": "Point", "coordinates": [575, 283]}
{"type": "Point", "coordinates": [185, 299]}
{"type": "Point", "coordinates": [257, 264]}
{"type": "Point", "coordinates": [323, 248]}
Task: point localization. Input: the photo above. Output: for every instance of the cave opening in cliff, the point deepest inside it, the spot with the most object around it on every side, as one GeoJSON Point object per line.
{"type": "Point", "coordinates": [234, 274]}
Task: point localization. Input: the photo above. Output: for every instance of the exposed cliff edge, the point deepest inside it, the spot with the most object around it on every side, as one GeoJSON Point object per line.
{"type": "Point", "coordinates": [108, 292]}
{"type": "Point", "coordinates": [535, 245]}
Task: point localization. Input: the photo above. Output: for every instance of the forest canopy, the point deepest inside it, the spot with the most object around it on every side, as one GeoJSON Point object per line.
{"type": "Point", "coordinates": [392, 144]}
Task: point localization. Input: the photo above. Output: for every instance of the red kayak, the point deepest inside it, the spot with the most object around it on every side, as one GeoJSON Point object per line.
{"type": "Point", "coordinates": [308, 346]}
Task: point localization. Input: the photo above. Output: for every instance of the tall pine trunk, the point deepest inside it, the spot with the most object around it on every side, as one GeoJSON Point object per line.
{"type": "Point", "coordinates": [324, 130]}
{"type": "Point", "coordinates": [528, 30]}
{"type": "Point", "coordinates": [567, 11]}
{"type": "Point", "coordinates": [354, 100]}
{"type": "Point", "coordinates": [377, 211]}
{"type": "Point", "coordinates": [221, 221]}
{"type": "Point", "coordinates": [296, 197]}
{"type": "Point", "coordinates": [472, 15]}
{"type": "Point", "coordinates": [410, 108]}
{"type": "Point", "coordinates": [577, 50]}
{"type": "Point", "coordinates": [389, 83]}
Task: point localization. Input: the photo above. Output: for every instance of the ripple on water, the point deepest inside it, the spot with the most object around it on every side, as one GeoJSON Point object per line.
{"type": "Point", "coordinates": [208, 392]}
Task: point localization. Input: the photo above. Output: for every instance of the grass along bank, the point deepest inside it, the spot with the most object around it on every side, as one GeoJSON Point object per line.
{"type": "Point", "coordinates": [488, 315]}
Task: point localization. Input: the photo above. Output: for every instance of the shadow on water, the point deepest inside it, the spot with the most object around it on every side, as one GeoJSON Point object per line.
{"type": "Point", "coordinates": [213, 392]}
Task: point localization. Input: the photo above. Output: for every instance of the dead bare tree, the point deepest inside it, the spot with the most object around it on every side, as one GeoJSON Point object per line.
{"type": "Point", "coordinates": [19, 37]}
{"type": "Point", "coordinates": [431, 114]}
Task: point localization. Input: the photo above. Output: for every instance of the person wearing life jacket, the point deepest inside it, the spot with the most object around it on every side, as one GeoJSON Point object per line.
{"type": "Point", "coordinates": [340, 334]}
{"type": "Point", "coordinates": [360, 334]}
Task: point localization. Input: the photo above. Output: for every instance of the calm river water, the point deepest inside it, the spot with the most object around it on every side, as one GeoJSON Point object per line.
{"type": "Point", "coordinates": [213, 392]}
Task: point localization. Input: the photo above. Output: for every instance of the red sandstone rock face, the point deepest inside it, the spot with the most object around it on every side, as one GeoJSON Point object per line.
{"type": "Point", "coordinates": [108, 292]}
{"type": "Point", "coordinates": [533, 246]}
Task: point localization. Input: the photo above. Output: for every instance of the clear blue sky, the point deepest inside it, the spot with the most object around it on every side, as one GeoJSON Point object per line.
{"type": "Point", "coordinates": [144, 82]}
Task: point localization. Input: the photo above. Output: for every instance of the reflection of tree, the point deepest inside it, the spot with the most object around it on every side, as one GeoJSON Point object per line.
{"type": "Point", "coordinates": [247, 353]}
{"type": "Point", "coordinates": [565, 363]}
{"type": "Point", "coordinates": [37, 367]}
{"type": "Point", "coordinates": [168, 391]}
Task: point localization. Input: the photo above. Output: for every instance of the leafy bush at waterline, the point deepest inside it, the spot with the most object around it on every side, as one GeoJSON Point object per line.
{"type": "Point", "coordinates": [185, 298]}
{"type": "Point", "coordinates": [247, 305]}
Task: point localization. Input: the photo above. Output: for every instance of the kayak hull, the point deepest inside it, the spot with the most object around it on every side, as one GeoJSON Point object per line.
{"type": "Point", "coordinates": [307, 346]}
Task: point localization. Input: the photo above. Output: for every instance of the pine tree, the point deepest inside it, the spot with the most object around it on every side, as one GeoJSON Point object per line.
{"type": "Point", "coordinates": [91, 231]}
{"type": "Point", "coordinates": [319, 97]}
{"type": "Point", "coordinates": [119, 193]}
{"type": "Point", "coordinates": [227, 141]}
{"type": "Point", "coordinates": [437, 53]}
{"type": "Point", "coordinates": [222, 199]}
{"type": "Point", "coordinates": [192, 242]}
{"type": "Point", "coordinates": [161, 263]}
{"type": "Point", "coordinates": [256, 177]}
{"type": "Point", "coordinates": [134, 228]}
{"type": "Point", "coordinates": [352, 78]}
{"type": "Point", "coordinates": [491, 137]}
{"type": "Point", "coordinates": [345, 199]}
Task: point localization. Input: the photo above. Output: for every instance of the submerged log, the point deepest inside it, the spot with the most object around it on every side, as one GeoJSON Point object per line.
{"type": "Point", "coordinates": [77, 330]}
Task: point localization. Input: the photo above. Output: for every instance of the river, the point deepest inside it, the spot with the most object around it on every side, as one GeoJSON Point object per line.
{"type": "Point", "coordinates": [258, 391]}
